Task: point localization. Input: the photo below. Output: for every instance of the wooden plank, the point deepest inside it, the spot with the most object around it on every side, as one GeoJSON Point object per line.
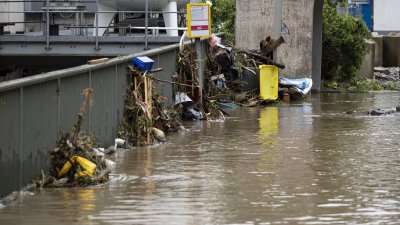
{"type": "Point", "coordinates": [97, 61]}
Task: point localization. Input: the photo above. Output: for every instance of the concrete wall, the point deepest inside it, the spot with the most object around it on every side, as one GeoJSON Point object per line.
{"type": "Point", "coordinates": [367, 67]}
{"type": "Point", "coordinates": [391, 51]}
{"type": "Point", "coordinates": [255, 19]}
{"type": "Point", "coordinates": [386, 15]}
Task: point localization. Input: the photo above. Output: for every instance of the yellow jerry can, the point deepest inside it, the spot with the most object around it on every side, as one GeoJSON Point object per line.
{"type": "Point", "coordinates": [268, 82]}
{"type": "Point", "coordinates": [87, 166]}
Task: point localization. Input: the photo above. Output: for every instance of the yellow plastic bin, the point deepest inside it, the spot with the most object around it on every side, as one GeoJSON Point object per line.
{"type": "Point", "coordinates": [268, 82]}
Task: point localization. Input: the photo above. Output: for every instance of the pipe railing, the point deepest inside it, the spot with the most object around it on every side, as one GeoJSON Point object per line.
{"type": "Point", "coordinates": [96, 12]}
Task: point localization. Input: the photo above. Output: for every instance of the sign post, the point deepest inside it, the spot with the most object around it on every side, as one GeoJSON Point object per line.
{"type": "Point", "coordinates": [199, 20]}
{"type": "Point", "coordinates": [199, 26]}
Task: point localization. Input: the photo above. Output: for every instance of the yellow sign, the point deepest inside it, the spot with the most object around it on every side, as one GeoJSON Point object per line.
{"type": "Point", "coordinates": [199, 20]}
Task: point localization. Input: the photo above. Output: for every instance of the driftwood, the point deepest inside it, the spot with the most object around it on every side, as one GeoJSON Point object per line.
{"type": "Point", "coordinates": [268, 45]}
{"type": "Point", "coordinates": [170, 82]}
{"type": "Point", "coordinates": [264, 59]}
{"type": "Point", "coordinates": [87, 98]}
{"type": "Point", "coordinates": [97, 61]}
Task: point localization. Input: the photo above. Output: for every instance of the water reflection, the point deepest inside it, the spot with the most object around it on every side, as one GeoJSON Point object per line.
{"type": "Point", "coordinates": [267, 136]}
{"type": "Point", "coordinates": [269, 125]}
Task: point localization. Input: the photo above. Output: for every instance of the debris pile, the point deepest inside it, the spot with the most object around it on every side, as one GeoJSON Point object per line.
{"type": "Point", "coordinates": [187, 90]}
{"type": "Point", "coordinates": [146, 117]}
{"type": "Point", "coordinates": [232, 74]}
{"type": "Point", "coordinates": [136, 123]}
{"type": "Point", "coordinates": [375, 112]}
{"type": "Point", "coordinates": [231, 78]}
{"type": "Point", "coordinates": [388, 74]}
{"type": "Point", "coordinates": [77, 160]}
{"type": "Point", "coordinates": [165, 118]}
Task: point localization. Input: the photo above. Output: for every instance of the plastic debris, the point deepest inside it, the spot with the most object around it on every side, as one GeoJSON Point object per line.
{"type": "Point", "coordinates": [158, 134]}
{"type": "Point", "coordinates": [87, 166]}
{"type": "Point", "coordinates": [189, 112]}
{"type": "Point", "coordinates": [302, 85]}
{"type": "Point", "coordinates": [110, 165]}
{"type": "Point", "coordinates": [99, 152]}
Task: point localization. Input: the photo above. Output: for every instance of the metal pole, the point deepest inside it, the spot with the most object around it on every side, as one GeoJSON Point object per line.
{"type": "Point", "coordinates": [200, 68]}
{"type": "Point", "coordinates": [146, 24]}
{"type": "Point", "coordinates": [277, 24]}
{"type": "Point", "coordinates": [97, 25]}
{"type": "Point", "coordinates": [47, 25]}
{"type": "Point", "coordinates": [77, 31]}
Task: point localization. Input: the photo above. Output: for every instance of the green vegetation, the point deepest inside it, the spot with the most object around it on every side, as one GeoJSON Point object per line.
{"type": "Point", "coordinates": [359, 84]}
{"type": "Point", "coordinates": [390, 85]}
{"type": "Point", "coordinates": [223, 14]}
{"type": "Point", "coordinates": [364, 84]}
{"type": "Point", "coordinates": [343, 46]}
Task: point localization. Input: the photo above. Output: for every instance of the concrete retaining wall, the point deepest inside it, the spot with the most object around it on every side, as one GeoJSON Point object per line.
{"type": "Point", "coordinates": [391, 51]}
{"type": "Point", "coordinates": [378, 50]}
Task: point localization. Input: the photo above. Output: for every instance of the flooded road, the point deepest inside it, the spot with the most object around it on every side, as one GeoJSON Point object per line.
{"type": "Point", "coordinates": [305, 163]}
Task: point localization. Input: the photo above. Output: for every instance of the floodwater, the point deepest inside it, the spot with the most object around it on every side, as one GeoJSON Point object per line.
{"type": "Point", "coordinates": [303, 163]}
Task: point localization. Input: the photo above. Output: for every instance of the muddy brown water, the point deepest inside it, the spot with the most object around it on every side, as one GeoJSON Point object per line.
{"type": "Point", "coordinates": [303, 163]}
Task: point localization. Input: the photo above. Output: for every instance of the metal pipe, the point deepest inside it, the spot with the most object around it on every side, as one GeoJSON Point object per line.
{"type": "Point", "coordinates": [200, 71]}
{"type": "Point", "coordinates": [47, 25]}
{"type": "Point", "coordinates": [21, 133]}
{"type": "Point", "coordinates": [181, 42]}
{"type": "Point", "coordinates": [146, 24]}
{"type": "Point", "coordinates": [97, 25]}
{"type": "Point", "coordinates": [77, 23]}
{"type": "Point", "coordinates": [138, 28]}
{"type": "Point", "coordinates": [160, 28]}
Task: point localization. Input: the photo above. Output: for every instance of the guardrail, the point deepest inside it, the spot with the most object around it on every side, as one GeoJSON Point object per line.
{"type": "Point", "coordinates": [35, 109]}
{"type": "Point", "coordinates": [48, 11]}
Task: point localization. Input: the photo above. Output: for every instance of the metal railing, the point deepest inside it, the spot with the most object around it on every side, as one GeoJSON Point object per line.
{"type": "Point", "coordinates": [35, 109]}
{"type": "Point", "coordinates": [48, 10]}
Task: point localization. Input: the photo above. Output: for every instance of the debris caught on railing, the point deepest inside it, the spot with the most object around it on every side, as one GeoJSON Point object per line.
{"type": "Point", "coordinates": [136, 123]}
{"type": "Point", "coordinates": [77, 160]}
{"type": "Point", "coordinates": [146, 117]}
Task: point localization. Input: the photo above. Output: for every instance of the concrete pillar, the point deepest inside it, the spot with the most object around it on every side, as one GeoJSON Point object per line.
{"type": "Point", "coordinates": [317, 45]}
{"type": "Point", "coordinates": [378, 50]}
{"type": "Point", "coordinates": [104, 18]}
{"type": "Point", "coordinates": [171, 19]}
{"type": "Point", "coordinates": [367, 67]}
